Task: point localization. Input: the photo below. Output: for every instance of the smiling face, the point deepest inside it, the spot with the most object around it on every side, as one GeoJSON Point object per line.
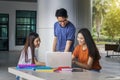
{"type": "Point", "coordinates": [62, 21]}
{"type": "Point", "coordinates": [37, 42]}
{"type": "Point", "coordinates": [81, 39]}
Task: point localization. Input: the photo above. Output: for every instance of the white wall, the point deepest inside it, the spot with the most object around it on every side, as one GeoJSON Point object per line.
{"type": "Point", "coordinates": [10, 8]}
{"type": "Point", "coordinates": [83, 13]}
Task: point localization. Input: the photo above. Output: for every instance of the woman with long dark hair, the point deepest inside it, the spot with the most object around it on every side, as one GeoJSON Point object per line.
{"type": "Point", "coordinates": [86, 51]}
{"type": "Point", "coordinates": [28, 53]}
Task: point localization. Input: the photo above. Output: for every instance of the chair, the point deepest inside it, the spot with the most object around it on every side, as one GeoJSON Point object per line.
{"type": "Point", "coordinates": [117, 50]}
{"type": "Point", "coordinates": [110, 47]}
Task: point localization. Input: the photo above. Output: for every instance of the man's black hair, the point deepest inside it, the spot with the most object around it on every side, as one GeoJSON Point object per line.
{"type": "Point", "coordinates": [61, 13]}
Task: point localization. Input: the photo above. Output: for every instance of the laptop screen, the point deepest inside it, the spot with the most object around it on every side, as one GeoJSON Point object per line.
{"type": "Point", "coordinates": [58, 59]}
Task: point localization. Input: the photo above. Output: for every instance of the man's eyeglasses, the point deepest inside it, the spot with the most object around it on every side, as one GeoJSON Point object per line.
{"type": "Point", "coordinates": [63, 21]}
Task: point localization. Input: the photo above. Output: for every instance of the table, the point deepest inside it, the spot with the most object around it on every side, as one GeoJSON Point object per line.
{"type": "Point", "coordinates": [87, 75]}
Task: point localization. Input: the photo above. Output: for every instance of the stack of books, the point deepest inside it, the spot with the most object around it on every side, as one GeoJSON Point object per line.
{"type": "Point", "coordinates": [68, 69]}
{"type": "Point", "coordinates": [33, 67]}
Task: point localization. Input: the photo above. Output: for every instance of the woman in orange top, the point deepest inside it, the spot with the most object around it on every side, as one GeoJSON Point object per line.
{"type": "Point", "coordinates": [86, 52]}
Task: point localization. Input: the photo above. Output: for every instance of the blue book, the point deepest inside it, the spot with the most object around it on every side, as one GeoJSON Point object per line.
{"type": "Point", "coordinates": [33, 67]}
{"type": "Point", "coordinates": [42, 67]}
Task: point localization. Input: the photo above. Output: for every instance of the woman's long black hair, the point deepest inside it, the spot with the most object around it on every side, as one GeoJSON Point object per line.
{"type": "Point", "coordinates": [92, 49]}
{"type": "Point", "coordinates": [30, 43]}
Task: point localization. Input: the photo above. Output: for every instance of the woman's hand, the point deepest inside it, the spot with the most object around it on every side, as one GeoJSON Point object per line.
{"type": "Point", "coordinates": [85, 66]}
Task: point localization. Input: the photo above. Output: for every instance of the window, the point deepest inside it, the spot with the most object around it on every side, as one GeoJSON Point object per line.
{"type": "Point", "coordinates": [4, 20]}
{"type": "Point", "coordinates": [25, 23]}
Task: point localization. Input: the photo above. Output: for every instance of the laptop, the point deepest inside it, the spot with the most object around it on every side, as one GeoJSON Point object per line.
{"type": "Point", "coordinates": [58, 59]}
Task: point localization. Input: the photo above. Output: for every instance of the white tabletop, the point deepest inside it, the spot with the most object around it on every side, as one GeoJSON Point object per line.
{"type": "Point", "coordinates": [87, 75]}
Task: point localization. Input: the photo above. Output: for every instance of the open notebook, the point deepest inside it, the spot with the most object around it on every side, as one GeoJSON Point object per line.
{"type": "Point", "coordinates": [57, 59]}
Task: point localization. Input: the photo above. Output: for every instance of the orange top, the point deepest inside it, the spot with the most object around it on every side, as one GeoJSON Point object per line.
{"type": "Point", "coordinates": [83, 56]}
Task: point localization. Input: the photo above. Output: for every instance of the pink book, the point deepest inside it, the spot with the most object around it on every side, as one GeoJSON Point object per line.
{"type": "Point", "coordinates": [26, 65]}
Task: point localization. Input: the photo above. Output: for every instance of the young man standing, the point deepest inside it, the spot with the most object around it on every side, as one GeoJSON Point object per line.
{"type": "Point", "coordinates": [64, 32]}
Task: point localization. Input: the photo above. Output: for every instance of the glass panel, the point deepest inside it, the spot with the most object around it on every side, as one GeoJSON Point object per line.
{"type": "Point", "coordinates": [3, 44]}
{"type": "Point", "coordinates": [23, 20]}
{"type": "Point", "coordinates": [33, 28]}
{"type": "Point", "coordinates": [25, 13]}
{"type": "Point", "coordinates": [33, 14]}
{"type": "Point", "coordinates": [21, 31]}
{"type": "Point", "coordinates": [4, 15]}
{"type": "Point", "coordinates": [3, 20]}
{"type": "Point", "coordinates": [3, 33]}
{"type": "Point", "coordinates": [33, 21]}
{"type": "Point", "coordinates": [3, 25]}
{"type": "Point", "coordinates": [27, 20]}
{"type": "Point", "coordinates": [21, 41]}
